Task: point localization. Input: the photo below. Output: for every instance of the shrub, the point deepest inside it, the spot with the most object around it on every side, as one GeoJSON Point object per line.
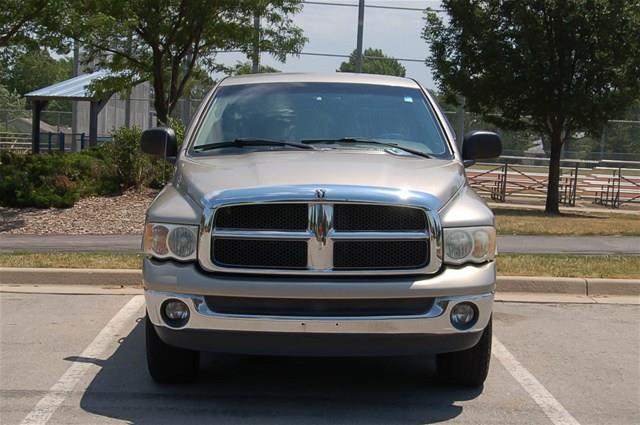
{"type": "Point", "coordinates": [59, 180]}
{"type": "Point", "coordinates": [128, 165]}
{"type": "Point", "coordinates": [45, 181]}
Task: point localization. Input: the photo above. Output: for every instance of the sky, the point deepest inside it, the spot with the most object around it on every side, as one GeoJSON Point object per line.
{"type": "Point", "coordinates": [333, 29]}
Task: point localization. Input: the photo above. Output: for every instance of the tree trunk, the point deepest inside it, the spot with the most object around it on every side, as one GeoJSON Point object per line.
{"type": "Point", "coordinates": [162, 114]}
{"type": "Point", "coordinates": [159, 95]}
{"type": "Point", "coordinates": [553, 193]}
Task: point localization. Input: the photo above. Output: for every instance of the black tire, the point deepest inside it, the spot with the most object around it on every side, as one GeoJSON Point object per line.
{"type": "Point", "coordinates": [168, 364]}
{"type": "Point", "coordinates": [469, 367]}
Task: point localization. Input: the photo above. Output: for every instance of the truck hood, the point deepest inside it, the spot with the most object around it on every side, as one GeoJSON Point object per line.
{"type": "Point", "coordinates": [199, 176]}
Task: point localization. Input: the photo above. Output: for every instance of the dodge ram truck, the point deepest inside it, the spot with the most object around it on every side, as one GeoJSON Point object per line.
{"type": "Point", "coordinates": [320, 215]}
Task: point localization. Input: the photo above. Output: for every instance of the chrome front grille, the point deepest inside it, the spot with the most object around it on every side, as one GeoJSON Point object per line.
{"type": "Point", "coordinates": [309, 234]}
{"type": "Point", "coordinates": [335, 237]}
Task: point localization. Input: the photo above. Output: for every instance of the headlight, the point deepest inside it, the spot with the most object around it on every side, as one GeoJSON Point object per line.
{"type": "Point", "coordinates": [469, 244]}
{"type": "Point", "coordinates": [170, 241]}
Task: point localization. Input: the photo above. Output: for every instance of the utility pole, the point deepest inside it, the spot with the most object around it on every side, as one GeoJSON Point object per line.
{"type": "Point", "coordinates": [127, 101]}
{"type": "Point", "coordinates": [360, 31]}
{"type": "Point", "coordinates": [255, 57]}
{"type": "Point", "coordinates": [185, 104]}
{"type": "Point", "coordinates": [460, 117]}
{"type": "Point", "coordinates": [76, 145]}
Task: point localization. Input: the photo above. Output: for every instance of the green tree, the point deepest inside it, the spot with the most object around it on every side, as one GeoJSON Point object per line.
{"type": "Point", "coordinates": [165, 40]}
{"type": "Point", "coordinates": [624, 137]}
{"type": "Point", "coordinates": [34, 69]}
{"type": "Point", "coordinates": [552, 66]}
{"type": "Point", "coordinates": [11, 107]}
{"type": "Point", "coordinates": [372, 65]}
{"type": "Point", "coordinates": [29, 22]}
{"type": "Point", "coordinates": [199, 84]}
{"type": "Point", "coordinates": [242, 68]}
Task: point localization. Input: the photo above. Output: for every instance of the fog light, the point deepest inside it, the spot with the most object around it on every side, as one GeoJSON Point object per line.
{"type": "Point", "coordinates": [463, 315]}
{"type": "Point", "coordinates": [175, 313]}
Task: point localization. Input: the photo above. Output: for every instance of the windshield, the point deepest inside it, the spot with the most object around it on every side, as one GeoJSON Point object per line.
{"type": "Point", "coordinates": [338, 113]}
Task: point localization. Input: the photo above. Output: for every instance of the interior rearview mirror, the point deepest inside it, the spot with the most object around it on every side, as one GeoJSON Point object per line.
{"type": "Point", "coordinates": [160, 142]}
{"type": "Point", "coordinates": [481, 145]}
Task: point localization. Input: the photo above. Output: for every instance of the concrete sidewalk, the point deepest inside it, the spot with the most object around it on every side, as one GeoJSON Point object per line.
{"type": "Point", "coordinates": [602, 245]}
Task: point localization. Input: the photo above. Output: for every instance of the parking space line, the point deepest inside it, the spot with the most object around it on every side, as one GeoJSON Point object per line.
{"type": "Point", "coordinates": [107, 337]}
{"type": "Point", "coordinates": [543, 398]}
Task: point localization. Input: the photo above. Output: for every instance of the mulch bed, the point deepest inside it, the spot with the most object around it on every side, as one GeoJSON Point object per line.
{"type": "Point", "coordinates": [115, 215]}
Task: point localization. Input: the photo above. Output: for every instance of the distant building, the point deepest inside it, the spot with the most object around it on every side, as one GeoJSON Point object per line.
{"type": "Point", "coordinates": [114, 114]}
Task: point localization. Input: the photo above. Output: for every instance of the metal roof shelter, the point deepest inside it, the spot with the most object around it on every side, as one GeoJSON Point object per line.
{"type": "Point", "coordinates": [76, 88]}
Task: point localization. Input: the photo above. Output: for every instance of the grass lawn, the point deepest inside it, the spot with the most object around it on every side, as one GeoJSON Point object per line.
{"type": "Point", "coordinates": [72, 260]}
{"type": "Point", "coordinates": [609, 266]}
{"type": "Point", "coordinates": [614, 266]}
{"type": "Point", "coordinates": [534, 222]}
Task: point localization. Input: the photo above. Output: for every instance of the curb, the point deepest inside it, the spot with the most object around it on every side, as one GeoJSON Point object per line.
{"type": "Point", "coordinates": [534, 284]}
{"type": "Point", "coordinates": [613, 287]}
{"type": "Point", "coordinates": [53, 276]}
{"type": "Point", "coordinates": [123, 277]}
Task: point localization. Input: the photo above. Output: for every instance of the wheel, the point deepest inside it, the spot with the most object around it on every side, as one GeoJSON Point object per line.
{"type": "Point", "coordinates": [168, 364]}
{"type": "Point", "coordinates": [468, 367]}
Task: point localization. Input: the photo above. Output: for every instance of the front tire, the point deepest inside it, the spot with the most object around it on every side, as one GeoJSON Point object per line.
{"type": "Point", "coordinates": [168, 364]}
{"type": "Point", "coordinates": [469, 367]}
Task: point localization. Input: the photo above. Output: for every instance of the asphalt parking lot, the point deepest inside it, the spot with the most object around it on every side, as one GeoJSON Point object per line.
{"type": "Point", "coordinates": [79, 359]}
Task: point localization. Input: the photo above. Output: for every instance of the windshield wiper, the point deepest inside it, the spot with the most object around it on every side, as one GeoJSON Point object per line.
{"type": "Point", "coordinates": [242, 142]}
{"type": "Point", "coordinates": [363, 140]}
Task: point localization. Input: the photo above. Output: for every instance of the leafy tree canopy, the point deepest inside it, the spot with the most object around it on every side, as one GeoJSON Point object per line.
{"type": "Point", "coordinates": [29, 23]}
{"type": "Point", "coordinates": [553, 66]}
{"type": "Point", "coordinates": [34, 69]}
{"type": "Point", "coordinates": [164, 40]}
{"type": "Point", "coordinates": [242, 68]}
{"type": "Point", "coordinates": [199, 84]}
{"type": "Point", "coordinates": [372, 65]}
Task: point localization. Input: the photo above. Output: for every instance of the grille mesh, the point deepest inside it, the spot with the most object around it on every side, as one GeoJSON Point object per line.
{"type": "Point", "coordinates": [319, 307]}
{"type": "Point", "coordinates": [260, 253]}
{"type": "Point", "coordinates": [354, 217]}
{"type": "Point", "coordinates": [292, 217]}
{"type": "Point", "coordinates": [380, 254]}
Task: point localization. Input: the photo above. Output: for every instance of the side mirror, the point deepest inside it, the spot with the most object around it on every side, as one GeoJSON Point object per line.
{"type": "Point", "coordinates": [160, 142]}
{"type": "Point", "coordinates": [481, 145]}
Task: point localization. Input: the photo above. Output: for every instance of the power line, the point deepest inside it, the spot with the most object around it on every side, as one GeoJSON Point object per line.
{"type": "Point", "coordinates": [364, 56]}
{"type": "Point", "coordinates": [372, 6]}
{"type": "Point", "coordinates": [336, 55]}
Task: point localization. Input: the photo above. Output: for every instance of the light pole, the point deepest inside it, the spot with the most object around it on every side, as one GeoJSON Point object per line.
{"type": "Point", "coordinates": [255, 57]}
{"type": "Point", "coordinates": [360, 30]}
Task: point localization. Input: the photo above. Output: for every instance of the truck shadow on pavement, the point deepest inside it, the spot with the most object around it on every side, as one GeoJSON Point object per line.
{"type": "Point", "coordinates": [265, 390]}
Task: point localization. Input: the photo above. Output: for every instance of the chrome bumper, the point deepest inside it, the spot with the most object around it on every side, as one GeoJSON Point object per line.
{"type": "Point", "coordinates": [207, 330]}
{"type": "Point", "coordinates": [435, 322]}
{"type": "Point", "coordinates": [188, 278]}
{"type": "Point", "coordinates": [473, 283]}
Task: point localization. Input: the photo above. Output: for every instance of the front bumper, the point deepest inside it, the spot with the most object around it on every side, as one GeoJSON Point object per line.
{"type": "Point", "coordinates": [431, 332]}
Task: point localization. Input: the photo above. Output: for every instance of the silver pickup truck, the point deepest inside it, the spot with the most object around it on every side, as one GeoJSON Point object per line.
{"type": "Point", "coordinates": [322, 215]}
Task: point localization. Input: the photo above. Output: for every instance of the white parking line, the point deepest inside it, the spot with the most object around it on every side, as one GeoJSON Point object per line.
{"type": "Point", "coordinates": [543, 398]}
{"type": "Point", "coordinates": [107, 338]}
